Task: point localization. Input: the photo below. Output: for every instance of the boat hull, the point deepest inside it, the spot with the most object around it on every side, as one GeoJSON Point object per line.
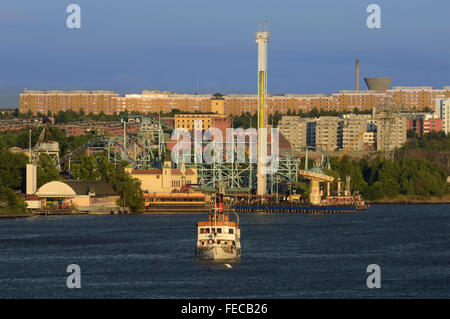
{"type": "Point", "coordinates": [218, 252]}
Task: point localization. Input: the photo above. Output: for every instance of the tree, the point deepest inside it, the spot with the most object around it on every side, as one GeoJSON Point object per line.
{"type": "Point", "coordinates": [12, 169]}
{"type": "Point", "coordinates": [86, 169]}
{"type": "Point", "coordinates": [129, 188]}
{"type": "Point", "coordinates": [10, 202]}
{"type": "Point", "coordinates": [313, 113]}
{"type": "Point", "coordinates": [97, 167]}
{"type": "Point", "coordinates": [46, 170]}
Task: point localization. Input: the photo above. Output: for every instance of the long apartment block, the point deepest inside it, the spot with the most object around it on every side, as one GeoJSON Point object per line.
{"type": "Point", "coordinates": [405, 98]}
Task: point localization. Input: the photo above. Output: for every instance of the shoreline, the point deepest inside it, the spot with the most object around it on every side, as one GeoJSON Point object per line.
{"type": "Point", "coordinates": [404, 200]}
{"type": "Point", "coordinates": [407, 202]}
{"type": "Point", "coordinates": [393, 201]}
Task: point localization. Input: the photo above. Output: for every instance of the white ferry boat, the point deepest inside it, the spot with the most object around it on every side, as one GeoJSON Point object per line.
{"type": "Point", "coordinates": [218, 238]}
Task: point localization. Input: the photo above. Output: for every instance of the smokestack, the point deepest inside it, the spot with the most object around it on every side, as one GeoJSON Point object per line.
{"type": "Point", "coordinates": [357, 76]}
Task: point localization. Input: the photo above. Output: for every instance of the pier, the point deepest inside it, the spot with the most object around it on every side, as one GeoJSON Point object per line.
{"type": "Point", "coordinates": [292, 209]}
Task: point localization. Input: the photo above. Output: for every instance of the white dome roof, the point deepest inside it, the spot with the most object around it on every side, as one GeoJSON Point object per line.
{"type": "Point", "coordinates": [55, 189]}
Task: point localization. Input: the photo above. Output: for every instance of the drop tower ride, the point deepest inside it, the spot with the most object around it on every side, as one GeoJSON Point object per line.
{"type": "Point", "coordinates": [262, 39]}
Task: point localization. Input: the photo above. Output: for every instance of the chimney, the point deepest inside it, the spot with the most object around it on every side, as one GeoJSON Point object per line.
{"type": "Point", "coordinates": [357, 76]}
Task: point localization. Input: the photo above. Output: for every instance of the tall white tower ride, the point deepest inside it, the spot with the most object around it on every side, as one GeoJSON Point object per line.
{"type": "Point", "coordinates": [262, 39]}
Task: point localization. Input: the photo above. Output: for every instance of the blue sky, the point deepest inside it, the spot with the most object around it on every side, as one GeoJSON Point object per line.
{"type": "Point", "coordinates": [132, 45]}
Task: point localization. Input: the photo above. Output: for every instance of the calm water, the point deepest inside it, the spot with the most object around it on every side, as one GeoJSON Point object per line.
{"type": "Point", "coordinates": [284, 256]}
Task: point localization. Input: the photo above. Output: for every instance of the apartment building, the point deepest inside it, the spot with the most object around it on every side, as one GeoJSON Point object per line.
{"type": "Point", "coordinates": [370, 141]}
{"type": "Point", "coordinates": [424, 123]}
{"type": "Point", "coordinates": [405, 98]}
{"type": "Point", "coordinates": [391, 133]}
{"type": "Point", "coordinates": [55, 101]}
{"type": "Point", "coordinates": [442, 109]}
{"type": "Point", "coordinates": [417, 98]}
{"type": "Point", "coordinates": [294, 129]}
{"type": "Point", "coordinates": [329, 133]}
{"type": "Point", "coordinates": [202, 121]}
{"type": "Point", "coordinates": [353, 130]}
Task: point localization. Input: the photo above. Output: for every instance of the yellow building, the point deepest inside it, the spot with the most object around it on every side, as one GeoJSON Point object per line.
{"type": "Point", "coordinates": [55, 101]}
{"type": "Point", "coordinates": [164, 180]}
{"type": "Point", "coordinates": [188, 121]}
{"type": "Point", "coordinates": [218, 104]}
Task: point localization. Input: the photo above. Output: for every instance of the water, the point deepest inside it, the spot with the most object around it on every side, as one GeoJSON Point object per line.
{"type": "Point", "coordinates": [284, 256]}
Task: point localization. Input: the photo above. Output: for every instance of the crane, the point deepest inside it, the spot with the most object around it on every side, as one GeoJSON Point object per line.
{"type": "Point", "coordinates": [350, 145]}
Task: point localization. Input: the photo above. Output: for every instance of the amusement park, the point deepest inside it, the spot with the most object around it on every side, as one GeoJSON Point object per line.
{"type": "Point", "coordinates": [175, 178]}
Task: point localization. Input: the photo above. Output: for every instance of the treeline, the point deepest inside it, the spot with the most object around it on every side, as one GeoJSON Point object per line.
{"type": "Point", "coordinates": [382, 179]}
{"type": "Point", "coordinates": [433, 141]}
{"type": "Point", "coordinates": [242, 120]}
{"type": "Point", "coordinates": [20, 138]}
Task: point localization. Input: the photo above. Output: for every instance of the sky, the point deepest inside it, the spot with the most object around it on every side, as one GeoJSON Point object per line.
{"type": "Point", "coordinates": [209, 45]}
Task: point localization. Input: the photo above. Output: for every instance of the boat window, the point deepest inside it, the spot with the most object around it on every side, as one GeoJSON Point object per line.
{"type": "Point", "coordinates": [213, 230]}
{"type": "Point", "coordinates": [230, 230]}
{"type": "Point", "coordinates": [219, 230]}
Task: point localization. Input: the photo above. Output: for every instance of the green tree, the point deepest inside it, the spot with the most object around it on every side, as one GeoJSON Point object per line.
{"type": "Point", "coordinates": [86, 169]}
{"type": "Point", "coordinates": [46, 170]}
{"type": "Point", "coordinates": [12, 169]}
{"type": "Point", "coordinates": [10, 202]}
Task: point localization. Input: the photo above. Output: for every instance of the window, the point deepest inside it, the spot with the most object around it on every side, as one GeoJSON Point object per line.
{"type": "Point", "coordinates": [230, 230]}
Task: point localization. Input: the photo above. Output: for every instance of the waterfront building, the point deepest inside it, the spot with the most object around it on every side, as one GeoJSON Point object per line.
{"type": "Point", "coordinates": [165, 179]}
{"type": "Point", "coordinates": [80, 195]}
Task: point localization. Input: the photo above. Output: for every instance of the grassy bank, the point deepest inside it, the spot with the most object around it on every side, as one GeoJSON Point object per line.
{"type": "Point", "coordinates": [405, 199]}
{"type": "Point", "coordinates": [7, 212]}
